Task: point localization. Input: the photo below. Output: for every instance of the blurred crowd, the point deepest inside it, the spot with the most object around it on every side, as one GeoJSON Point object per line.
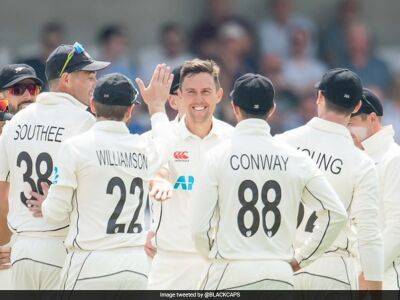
{"type": "Point", "coordinates": [285, 46]}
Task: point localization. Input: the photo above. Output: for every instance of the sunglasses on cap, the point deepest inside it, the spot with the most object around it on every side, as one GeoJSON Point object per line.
{"type": "Point", "coordinates": [78, 49]}
{"type": "Point", "coordinates": [19, 89]}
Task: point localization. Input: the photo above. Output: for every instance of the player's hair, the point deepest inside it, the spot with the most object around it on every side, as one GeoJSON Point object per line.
{"type": "Point", "coordinates": [197, 66]}
{"type": "Point", "coordinates": [251, 115]}
{"type": "Point", "coordinates": [337, 108]}
{"type": "Point", "coordinates": [110, 112]}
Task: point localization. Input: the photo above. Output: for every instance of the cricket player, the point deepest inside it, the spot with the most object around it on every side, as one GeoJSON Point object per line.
{"type": "Point", "coordinates": [249, 193]}
{"type": "Point", "coordinates": [378, 142]}
{"type": "Point", "coordinates": [177, 264]}
{"type": "Point", "coordinates": [101, 183]}
{"type": "Point", "coordinates": [352, 174]}
{"type": "Point", "coordinates": [19, 87]}
{"type": "Point", "coordinates": [28, 146]}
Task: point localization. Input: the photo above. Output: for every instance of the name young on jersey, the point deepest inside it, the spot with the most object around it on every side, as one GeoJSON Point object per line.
{"type": "Point", "coordinates": [270, 162]}
{"type": "Point", "coordinates": [122, 159]}
{"type": "Point", "coordinates": [324, 161]}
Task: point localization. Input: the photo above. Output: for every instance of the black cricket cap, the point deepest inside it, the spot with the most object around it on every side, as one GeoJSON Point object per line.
{"type": "Point", "coordinates": [14, 73]}
{"type": "Point", "coordinates": [254, 93]}
{"type": "Point", "coordinates": [5, 116]}
{"type": "Point", "coordinates": [115, 89]}
{"type": "Point", "coordinates": [175, 82]}
{"type": "Point", "coordinates": [80, 61]}
{"type": "Point", "coordinates": [341, 87]}
{"type": "Point", "coordinates": [370, 103]}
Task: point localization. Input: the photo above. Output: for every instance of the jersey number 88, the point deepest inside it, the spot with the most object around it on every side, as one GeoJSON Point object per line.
{"type": "Point", "coordinates": [250, 206]}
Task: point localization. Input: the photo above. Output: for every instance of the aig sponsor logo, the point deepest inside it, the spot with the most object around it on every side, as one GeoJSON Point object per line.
{"type": "Point", "coordinates": [181, 156]}
{"type": "Point", "coordinates": [184, 183]}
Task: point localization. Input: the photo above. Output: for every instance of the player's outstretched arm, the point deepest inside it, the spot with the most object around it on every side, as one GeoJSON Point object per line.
{"type": "Point", "coordinates": [318, 195]}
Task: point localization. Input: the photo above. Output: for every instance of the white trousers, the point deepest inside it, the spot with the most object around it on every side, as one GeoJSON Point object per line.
{"type": "Point", "coordinates": [37, 262]}
{"type": "Point", "coordinates": [114, 269]}
{"type": "Point", "coordinates": [248, 275]}
{"type": "Point", "coordinates": [176, 271]}
{"type": "Point", "coordinates": [328, 273]}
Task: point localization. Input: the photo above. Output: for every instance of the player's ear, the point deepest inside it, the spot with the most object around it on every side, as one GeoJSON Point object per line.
{"type": "Point", "coordinates": [65, 79]}
{"type": "Point", "coordinates": [92, 106]}
{"type": "Point", "coordinates": [320, 98]}
{"type": "Point", "coordinates": [236, 111]}
{"type": "Point", "coordinates": [272, 111]}
{"type": "Point", "coordinates": [220, 93]}
{"type": "Point", "coordinates": [358, 106]}
{"type": "Point", "coordinates": [172, 102]}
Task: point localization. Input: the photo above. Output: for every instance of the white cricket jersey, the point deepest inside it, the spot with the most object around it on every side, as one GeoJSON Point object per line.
{"type": "Point", "coordinates": [382, 148]}
{"type": "Point", "coordinates": [101, 185]}
{"type": "Point", "coordinates": [249, 193]}
{"type": "Point", "coordinates": [171, 219]}
{"type": "Point", "coordinates": [353, 176]}
{"type": "Point", "coordinates": [28, 146]}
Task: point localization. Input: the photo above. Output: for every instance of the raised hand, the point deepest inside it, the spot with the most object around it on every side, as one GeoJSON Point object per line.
{"type": "Point", "coordinates": [156, 93]}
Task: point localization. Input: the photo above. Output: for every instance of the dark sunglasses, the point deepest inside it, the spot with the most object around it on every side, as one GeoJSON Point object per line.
{"type": "Point", "coordinates": [19, 89]}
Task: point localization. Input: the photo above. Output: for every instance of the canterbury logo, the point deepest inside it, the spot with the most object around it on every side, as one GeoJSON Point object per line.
{"type": "Point", "coordinates": [181, 155]}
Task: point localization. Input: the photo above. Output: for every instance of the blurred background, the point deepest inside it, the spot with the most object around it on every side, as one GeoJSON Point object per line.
{"type": "Point", "coordinates": [291, 42]}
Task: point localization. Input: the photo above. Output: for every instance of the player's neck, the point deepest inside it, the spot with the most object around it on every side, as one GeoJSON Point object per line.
{"type": "Point", "coordinates": [199, 129]}
{"type": "Point", "coordinates": [335, 118]}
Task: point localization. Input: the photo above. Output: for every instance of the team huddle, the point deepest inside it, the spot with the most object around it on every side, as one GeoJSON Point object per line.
{"type": "Point", "coordinates": [229, 207]}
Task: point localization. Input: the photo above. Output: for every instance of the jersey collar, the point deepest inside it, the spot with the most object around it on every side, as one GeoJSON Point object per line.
{"type": "Point", "coordinates": [380, 141]}
{"type": "Point", "coordinates": [50, 98]}
{"type": "Point", "coordinates": [185, 133]}
{"type": "Point", "coordinates": [253, 126]}
{"type": "Point", "coordinates": [328, 126]}
{"type": "Point", "coordinates": [111, 126]}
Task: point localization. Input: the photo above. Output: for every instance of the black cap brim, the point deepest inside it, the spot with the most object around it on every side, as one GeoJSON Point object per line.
{"type": "Point", "coordinates": [19, 79]}
{"type": "Point", "coordinates": [94, 66]}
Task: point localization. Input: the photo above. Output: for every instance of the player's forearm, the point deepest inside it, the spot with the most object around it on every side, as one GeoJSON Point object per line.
{"type": "Point", "coordinates": [57, 206]}
{"type": "Point", "coordinates": [332, 217]}
{"type": "Point", "coordinates": [330, 224]}
{"type": "Point", "coordinates": [160, 144]}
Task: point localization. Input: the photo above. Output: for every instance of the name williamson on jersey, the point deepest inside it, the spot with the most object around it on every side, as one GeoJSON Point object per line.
{"type": "Point", "coordinates": [122, 159]}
